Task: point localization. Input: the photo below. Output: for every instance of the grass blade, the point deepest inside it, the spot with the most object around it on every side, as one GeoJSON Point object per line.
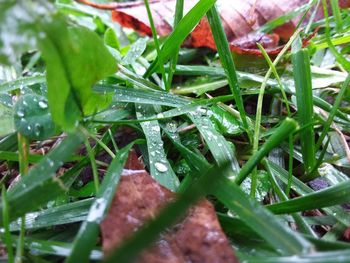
{"type": "Point", "coordinates": [182, 30]}
{"type": "Point", "coordinates": [261, 221]}
{"type": "Point", "coordinates": [89, 230]}
{"type": "Point", "coordinates": [287, 127]}
{"type": "Point", "coordinates": [227, 61]}
{"type": "Point", "coordinates": [303, 87]}
{"type": "Point", "coordinates": [38, 187]}
{"type": "Point", "coordinates": [73, 212]}
{"type": "Point", "coordinates": [333, 111]}
{"type": "Point", "coordinates": [339, 256]}
{"type": "Point", "coordinates": [160, 168]}
{"type": "Point", "coordinates": [335, 195]}
{"type": "Point", "coordinates": [5, 218]}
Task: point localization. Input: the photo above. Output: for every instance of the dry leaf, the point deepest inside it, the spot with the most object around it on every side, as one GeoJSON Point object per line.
{"type": "Point", "coordinates": [198, 238]}
{"type": "Point", "coordinates": [239, 18]}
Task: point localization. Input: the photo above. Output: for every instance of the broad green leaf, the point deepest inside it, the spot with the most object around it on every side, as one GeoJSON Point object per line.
{"type": "Point", "coordinates": [76, 59]}
{"type": "Point", "coordinates": [32, 117]}
{"type": "Point", "coordinates": [225, 122]}
{"type": "Point", "coordinates": [220, 148]}
{"type": "Point", "coordinates": [111, 39]}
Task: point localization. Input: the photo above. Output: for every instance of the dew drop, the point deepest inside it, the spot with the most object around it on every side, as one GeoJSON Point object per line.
{"type": "Point", "coordinates": [161, 167]}
{"type": "Point", "coordinates": [156, 128]}
{"type": "Point", "coordinates": [20, 113]}
{"type": "Point", "coordinates": [37, 129]}
{"type": "Point", "coordinates": [51, 163]}
{"type": "Point", "coordinates": [42, 104]}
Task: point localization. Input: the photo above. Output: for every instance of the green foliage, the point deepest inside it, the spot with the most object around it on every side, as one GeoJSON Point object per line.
{"type": "Point", "coordinates": [6, 121]}
{"type": "Point", "coordinates": [32, 117]}
{"type": "Point", "coordinates": [76, 58]}
{"type": "Point", "coordinates": [77, 87]}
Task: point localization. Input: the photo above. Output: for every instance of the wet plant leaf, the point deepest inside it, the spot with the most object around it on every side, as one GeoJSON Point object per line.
{"type": "Point", "coordinates": [76, 58]}
{"type": "Point", "coordinates": [33, 118]}
{"type": "Point", "coordinates": [6, 120]}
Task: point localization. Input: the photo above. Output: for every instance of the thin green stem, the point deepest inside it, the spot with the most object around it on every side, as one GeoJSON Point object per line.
{"type": "Point", "coordinates": [336, 14]}
{"type": "Point", "coordinates": [343, 61]}
{"type": "Point", "coordinates": [302, 224]}
{"type": "Point", "coordinates": [113, 141]}
{"type": "Point", "coordinates": [333, 112]}
{"type": "Point", "coordinates": [156, 42]}
{"type": "Point", "coordinates": [91, 155]}
{"type": "Point", "coordinates": [23, 154]}
{"type": "Point", "coordinates": [286, 102]}
{"type": "Point", "coordinates": [287, 127]}
{"type": "Point", "coordinates": [6, 223]}
{"type": "Point", "coordinates": [260, 103]}
{"type": "Point", "coordinates": [173, 62]}
{"type": "Point", "coordinates": [100, 142]}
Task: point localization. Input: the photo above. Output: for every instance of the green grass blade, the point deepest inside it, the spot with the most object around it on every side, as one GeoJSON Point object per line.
{"type": "Point", "coordinates": [50, 247]}
{"type": "Point", "coordinates": [342, 60]}
{"type": "Point", "coordinates": [179, 8]}
{"type": "Point", "coordinates": [261, 221]}
{"type": "Point", "coordinates": [282, 132]}
{"type": "Point", "coordinates": [303, 190]}
{"type": "Point", "coordinates": [335, 195]}
{"type": "Point", "coordinates": [160, 168]}
{"type": "Point", "coordinates": [21, 82]}
{"type": "Point", "coordinates": [299, 220]}
{"type": "Point", "coordinates": [73, 212]}
{"type": "Point", "coordinates": [156, 42]}
{"type": "Point", "coordinates": [89, 230]}
{"type": "Point", "coordinates": [5, 218]}
{"type": "Point", "coordinates": [333, 112]}
{"type": "Point", "coordinates": [336, 14]}
{"type": "Point", "coordinates": [91, 155]}
{"type": "Point", "coordinates": [227, 61]}
{"type": "Point", "coordinates": [38, 187]}
{"type": "Point", "coordinates": [270, 25]}
{"type": "Point", "coordinates": [182, 30]}
{"type": "Point", "coordinates": [303, 87]}
{"type": "Point", "coordinates": [340, 256]}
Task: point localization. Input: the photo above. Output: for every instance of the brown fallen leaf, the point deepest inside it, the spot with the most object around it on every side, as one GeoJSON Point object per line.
{"type": "Point", "coordinates": [239, 18]}
{"type": "Point", "coordinates": [198, 238]}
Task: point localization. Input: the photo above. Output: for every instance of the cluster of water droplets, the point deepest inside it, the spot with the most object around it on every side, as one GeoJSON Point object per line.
{"type": "Point", "coordinates": [30, 111]}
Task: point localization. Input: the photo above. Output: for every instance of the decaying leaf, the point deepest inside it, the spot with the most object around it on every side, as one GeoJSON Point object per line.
{"type": "Point", "coordinates": [198, 238]}
{"type": "Point", "coordinates": [240, 19]}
